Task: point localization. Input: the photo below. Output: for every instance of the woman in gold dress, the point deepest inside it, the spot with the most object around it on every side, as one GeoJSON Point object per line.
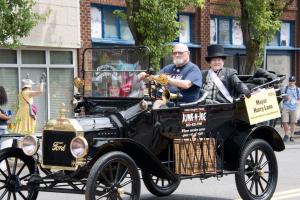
{"type": "Point", "coordinates": [24, 122]}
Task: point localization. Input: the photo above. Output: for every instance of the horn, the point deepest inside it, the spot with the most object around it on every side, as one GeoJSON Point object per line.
{"type": "Point", "coordinates": [162, 79]}
{"type": "Point", "coordinates": [78, 82]}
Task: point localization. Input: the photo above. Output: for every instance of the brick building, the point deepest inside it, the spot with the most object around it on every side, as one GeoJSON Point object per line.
{"type": "Point", "coordinates": [205, 26]}
{"type": "Point", "coordinates": [56, 45]}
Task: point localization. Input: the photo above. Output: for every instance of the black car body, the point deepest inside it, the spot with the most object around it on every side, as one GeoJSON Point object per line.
{"type": "Point", "coordinates": [115, 132]}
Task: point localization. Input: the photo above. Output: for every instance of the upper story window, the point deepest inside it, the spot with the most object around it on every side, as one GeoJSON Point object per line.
{"type": "Point", "coordinates": [33, 57]}
{"type": "Point", "coordinates": [8, 56]}
{"type": "Point", "coordinates": [226, 31]}
{"type": "Point", "coordinates": [283, 36]}
{"type": "Point", "coordinates": [185, 29]}
{"type": "Point", "coordinates": [61, 57]}
{"type": "Point", "coordinates": [105, 25]}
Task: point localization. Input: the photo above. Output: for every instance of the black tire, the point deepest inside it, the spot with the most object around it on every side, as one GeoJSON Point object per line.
{"type": "Point", "coordinates": [159, 186]}
{"type": "Point", "coordinates": [109, 176]}
{"type": "Point", "coordinates": [13, 179]}
{"type": "Point", "coordinates": [258, 172]}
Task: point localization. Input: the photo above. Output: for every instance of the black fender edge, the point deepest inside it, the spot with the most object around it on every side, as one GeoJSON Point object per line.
{"type": "Point", "coordinates": [144, 158]}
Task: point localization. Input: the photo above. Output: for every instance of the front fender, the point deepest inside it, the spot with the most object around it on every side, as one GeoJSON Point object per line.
{"type": "Point", "coordinates": [143, 157]}
{"type": "Point", "coordinates": [269, 134]}
{"type": "Point", "coordinates": [234, 145]}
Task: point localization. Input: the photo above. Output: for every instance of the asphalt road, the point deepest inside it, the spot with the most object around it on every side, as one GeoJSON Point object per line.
{"type": "Point", "coordinates": [288, 186]}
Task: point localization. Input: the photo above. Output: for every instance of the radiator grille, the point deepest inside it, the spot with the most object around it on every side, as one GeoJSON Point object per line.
{"type": "Point", "coordinates": [56, 148]}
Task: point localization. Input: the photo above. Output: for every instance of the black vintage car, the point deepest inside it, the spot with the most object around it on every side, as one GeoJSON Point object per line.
{"type": "Point", "coordinates": [115, 134]}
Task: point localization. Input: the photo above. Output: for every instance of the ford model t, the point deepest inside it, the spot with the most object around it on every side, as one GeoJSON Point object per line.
{"type": "Point", "coordinates": [116, 139]}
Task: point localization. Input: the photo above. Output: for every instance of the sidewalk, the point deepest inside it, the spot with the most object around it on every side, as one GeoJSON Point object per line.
{"type": "Point", "coordinates": [296, 137]}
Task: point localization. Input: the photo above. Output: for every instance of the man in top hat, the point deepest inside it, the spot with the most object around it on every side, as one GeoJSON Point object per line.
{"type": "Point", "coordinates": [291, 96]}
{"type": "Point", "coordinates": [221, 83]}
{"type": "Point", "coordinates": [183, 76]}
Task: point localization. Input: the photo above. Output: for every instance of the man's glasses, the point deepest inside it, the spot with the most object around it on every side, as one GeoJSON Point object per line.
{"type": "Point", "coordinates": [178, 52]}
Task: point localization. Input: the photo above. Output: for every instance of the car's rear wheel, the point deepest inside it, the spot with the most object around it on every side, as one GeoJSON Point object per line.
{"type": "Point", "coordinates": [15, 170]}
{"type": "Point", "coordinates": [113, 176]}
{"type": "Point", "coordinates": [258, 173]}
{"type": "Point", "coordinates": [159, 186]}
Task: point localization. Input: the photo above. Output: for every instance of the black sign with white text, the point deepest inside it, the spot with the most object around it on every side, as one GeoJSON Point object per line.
{"type": "Point", "coordinates": [193, 120]}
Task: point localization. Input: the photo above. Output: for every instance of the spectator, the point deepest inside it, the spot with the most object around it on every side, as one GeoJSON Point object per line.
{"type": "Point", "coordinates": [25, 120]}
{"type": "Point", "coordinates": [290, 94]}
{"type": "Point", "coordinates": [3, 116]}
{"type": "Point", "coordinates": [183, 76]}
{"type": "Point", "coordinates": [221, 83]}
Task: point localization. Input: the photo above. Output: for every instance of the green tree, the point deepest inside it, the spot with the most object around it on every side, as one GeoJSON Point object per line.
{"type": "Point", "coordinates": [154, 23]}
{"type": "Point", "coordinates": [16, 20]}
{"type": "Point", "coordinates": [260, 19]}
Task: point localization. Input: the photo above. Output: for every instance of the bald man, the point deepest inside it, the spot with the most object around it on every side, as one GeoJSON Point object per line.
{"type": "Point", "coordinates": [184, 76]}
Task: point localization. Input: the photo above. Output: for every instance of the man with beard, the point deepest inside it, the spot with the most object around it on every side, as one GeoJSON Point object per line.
{"type": "Point", "coordinates": [183, 76]}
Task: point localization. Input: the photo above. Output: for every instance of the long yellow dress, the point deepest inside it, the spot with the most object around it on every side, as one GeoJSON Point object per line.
{"type": "Point", "coordinates": [24, 123]}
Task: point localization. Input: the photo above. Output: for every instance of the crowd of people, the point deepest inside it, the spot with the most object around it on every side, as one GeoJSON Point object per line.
{"type": "Point", "coordinates": [220, 83]}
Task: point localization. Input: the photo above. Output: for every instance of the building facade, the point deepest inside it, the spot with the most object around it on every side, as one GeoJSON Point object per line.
{"type": "Point", "coordinates": [281, 54]}
{"type": "Point", "coordinates": [51, 48]}
{"type": "Point", "coordinates": [56, 45]}
{"type": "Point", "coordinates": [215, 23]}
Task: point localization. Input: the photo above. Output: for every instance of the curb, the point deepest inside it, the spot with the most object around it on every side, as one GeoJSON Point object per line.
{"type": "Point", "coordinates": [292, 145]}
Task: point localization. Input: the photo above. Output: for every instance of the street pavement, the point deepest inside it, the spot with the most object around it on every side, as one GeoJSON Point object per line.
{"type": "Point", "coordinates": [288, 187]}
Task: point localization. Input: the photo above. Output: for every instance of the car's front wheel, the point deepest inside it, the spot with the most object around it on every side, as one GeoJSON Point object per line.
{"type": "Point", "coordinates": [15, 170]}
{"type": "Point", "coordinates": [257, 174]}
{"type": "Point", "coordinates": [159, 186]}
{"type": "Point", "coordinates": [113, 176]}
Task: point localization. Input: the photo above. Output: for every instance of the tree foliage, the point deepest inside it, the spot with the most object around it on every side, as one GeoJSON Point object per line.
{"type": "Point", "coordinates": [260, 19]}
{"type": "Point", "coordinates": [16, 20]}
{"type": "Point", "coordinates": [154, 23]}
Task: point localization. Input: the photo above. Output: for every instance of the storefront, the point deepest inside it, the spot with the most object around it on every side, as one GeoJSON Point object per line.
{"type": "Point", "coordinates": [59, 66]}
{"type": "Point", "coordinates": [279, 53]}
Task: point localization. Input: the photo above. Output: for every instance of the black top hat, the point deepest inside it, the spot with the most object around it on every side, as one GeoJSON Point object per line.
{"type": "Point", "coordinates": [215, 51]}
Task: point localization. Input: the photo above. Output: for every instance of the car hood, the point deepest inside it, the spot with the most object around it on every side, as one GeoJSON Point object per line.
{"type": "Point", "coordinates": [94, 123]}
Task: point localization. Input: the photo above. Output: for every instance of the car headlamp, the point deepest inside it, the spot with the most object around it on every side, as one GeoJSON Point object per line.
{"type": "Point", "coordinates": [30, 145]}
{"type": "Point", "coordinates": [79, 147]}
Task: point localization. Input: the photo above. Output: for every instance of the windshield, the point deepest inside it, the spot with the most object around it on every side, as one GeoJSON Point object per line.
{"type": "Point", "coordinates": [114, 72]}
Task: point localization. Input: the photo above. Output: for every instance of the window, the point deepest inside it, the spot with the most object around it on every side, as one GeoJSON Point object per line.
{"type": "Point", "coordinates": [283, 36]}
{"type": "Point", "coordinates": [61, 90]}
{"type": "Point", "coordinates": [125, 31]}
{"type": "Point", "coordinates": [275, 40]}
{"type": "Point", "coordinates": [96, 23]}
{"type": "Point", "coordinates": [225, 31]}
{"type": "Point", "coordinates": [33, 57]}
{"type": "Point", "coordinates": [185, 29]}
{"type": "Point", "coordinates": [237, 34]}
{"type": "Point", "coordinates": [279, 63]}
{"type": "Point", "coordinates": [61, 57]}
{"type": "Point", "coordinates": [9, 80]}
{"type": "Point", "coordinates": [8, 56]}
{"type": "Point", "coordinates": [57, 64]}
{"type": "Point", "coordinates": [110, 24]}
{"type": "Point", "coordinates": [213, 31]}
{"type": "Point", "coordinates": [105, 25]}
